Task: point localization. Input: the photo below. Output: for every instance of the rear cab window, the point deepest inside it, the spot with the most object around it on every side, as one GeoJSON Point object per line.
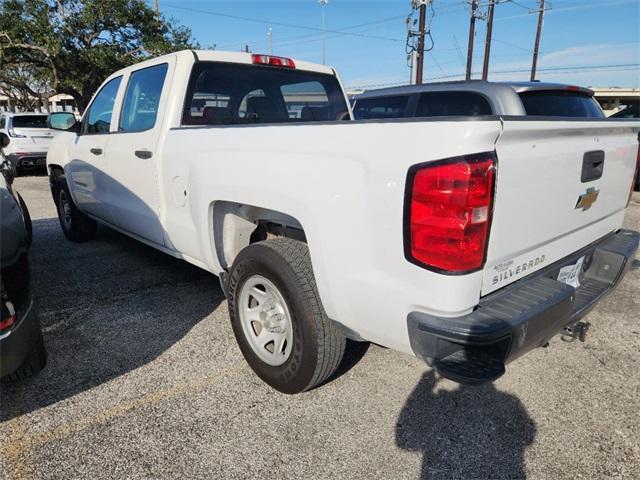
{"type": "Point", "coordinates": [560, 104]}
{"type": "Point", "coordinates": [232, 94]}
{"type": "Point", "coordinates": [142, 99]}
{"type": "Point", "coordinates": [381, 107]}
{"type": "Point", "coordinates": [29, 121]}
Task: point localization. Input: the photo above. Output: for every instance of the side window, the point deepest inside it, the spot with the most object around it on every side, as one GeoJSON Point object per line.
{"type": "Point", "coordinates": [142, 98]}
{"type": "Point", "coordinates": [100, 111]}
{"type": "Point", "coordinates": [381, 107]}
{"type": "Point", "coordinates": [3, 122]}
{"type": "Point", "coordinates": [445, 104]}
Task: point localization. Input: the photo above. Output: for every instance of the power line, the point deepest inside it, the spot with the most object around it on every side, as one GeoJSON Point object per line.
{"type": "Point", "coordinates": [578, 69]}
{"type": "Point", "coordinates": [281, 24]}
{"type": "Point", "coordinates": [437, 63]}
{"type": "Point", "coordinates": [574, 7]}
{"type": "Point", "coordinates": [513, 45]}
{"type": "Point", "coordinates": [314, 37]}
{"type": "Point", "coordinates": [520, 5]}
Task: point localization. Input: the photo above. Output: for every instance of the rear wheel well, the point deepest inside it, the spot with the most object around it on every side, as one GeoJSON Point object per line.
{"type": "Point", "coordinates": [237, 225]}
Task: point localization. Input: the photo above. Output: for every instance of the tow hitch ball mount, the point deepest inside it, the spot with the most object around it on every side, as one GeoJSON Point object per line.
{"type": "Point", "coordinates": [578, 330]}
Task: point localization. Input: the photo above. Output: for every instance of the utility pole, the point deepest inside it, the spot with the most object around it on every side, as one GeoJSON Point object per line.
{"type": "Point", "coordinates": [487, 43]}
{"type": "Point", "coordinates": [413, 58]}
{"type": "Point", "coordinates": [323, 4]}
{"type": "Point", "coordinates": [270, 35]}
{"type": "Point", "coordinates": [472, 32]}
{"type": "Point", "coordinates": [156, 8]}
{"type": "Point", "coordinates": [534, 64]}
{"type": "Point", "coordinates": [421, 27]}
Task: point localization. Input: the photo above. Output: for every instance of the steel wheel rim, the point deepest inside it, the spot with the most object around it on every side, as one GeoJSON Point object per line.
{"type": "Point", "coordinates": [266, 321]}
{"type": "Point", "coordinates": [65, 208]}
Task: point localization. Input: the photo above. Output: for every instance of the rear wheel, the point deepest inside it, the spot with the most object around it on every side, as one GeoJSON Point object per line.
{"type": "Point", "coordinates": [76, 226]}
{"type": "Point", "coordinates": [278, 319]}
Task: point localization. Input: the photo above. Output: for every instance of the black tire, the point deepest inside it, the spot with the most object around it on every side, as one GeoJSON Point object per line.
{"type": "Point", "coordinates": [36, 359]}
{"type": "Point", "coordinates": [27, 218]}
{"type": "Point", "coordinates": [318, 344]}
{"type": "Point", "coordinates": [75, 225]}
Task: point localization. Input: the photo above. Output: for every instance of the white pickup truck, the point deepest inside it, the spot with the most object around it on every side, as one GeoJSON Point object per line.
{"type": "Point", "coordinates": [464, 241]}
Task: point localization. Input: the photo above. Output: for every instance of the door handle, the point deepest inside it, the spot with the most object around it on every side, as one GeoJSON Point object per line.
{"type": "Point", "coordinates": [592, 166]}
{"type": "Point", "coordinates": [144, 154]}
{"type": "Point", "coordinates": [96, 151]}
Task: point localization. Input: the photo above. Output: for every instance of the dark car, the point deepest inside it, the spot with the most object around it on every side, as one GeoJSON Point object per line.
{"type": "Point", "coordinates": [477, 98]}
{"type": "Point", "coordinates": [22, 349]}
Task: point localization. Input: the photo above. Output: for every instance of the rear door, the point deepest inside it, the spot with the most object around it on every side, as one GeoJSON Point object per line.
{"type": "Point", "coordinates": [560, 186]}
{"type": "Point", "coordinates": [131, 166]}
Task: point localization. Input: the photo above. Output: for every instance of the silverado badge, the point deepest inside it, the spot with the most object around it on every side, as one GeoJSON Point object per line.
{"type": "Point", "coordinates": [588, 198]}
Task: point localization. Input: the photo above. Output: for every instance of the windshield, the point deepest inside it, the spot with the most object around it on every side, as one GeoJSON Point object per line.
{"type": "Point", "coordinates": [29, 121]}
{"type": "Point", "coordinates": [227, 94]}
{"type": "Point", "coordinates": [560, 104]}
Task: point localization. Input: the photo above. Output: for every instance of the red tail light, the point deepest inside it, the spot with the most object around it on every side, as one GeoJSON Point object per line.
{"type": "Point", "coordinates": [272, 61]}
{"type": "Point", "coordinates": [448, 212]}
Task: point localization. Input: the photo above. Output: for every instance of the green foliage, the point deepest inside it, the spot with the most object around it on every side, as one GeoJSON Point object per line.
{"type": "Point", "coordinates": [79, 43]}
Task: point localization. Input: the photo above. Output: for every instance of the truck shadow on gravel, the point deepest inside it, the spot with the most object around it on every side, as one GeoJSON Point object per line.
{"type": "Point", "coordinates": [465, 431]}
{"type": "Point", "coordinates": [107, 307]}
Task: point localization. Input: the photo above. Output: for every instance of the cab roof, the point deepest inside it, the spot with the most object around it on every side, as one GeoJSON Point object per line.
{"type": "Point", "coordinates": [224, 56]}
{"type": "Point", "coordinates": [482, 86]}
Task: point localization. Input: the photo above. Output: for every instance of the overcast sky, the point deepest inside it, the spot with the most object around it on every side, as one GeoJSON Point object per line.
{"type": "Point", "coordinates": [587, 42]}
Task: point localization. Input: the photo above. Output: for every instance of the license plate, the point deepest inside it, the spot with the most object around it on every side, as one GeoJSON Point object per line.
{"type": "Point", "coordinates": [571, 273]}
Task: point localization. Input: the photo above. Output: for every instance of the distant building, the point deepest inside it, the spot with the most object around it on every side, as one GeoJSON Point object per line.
{"type": "Point", "coordinates": [614, 99]}
{"type": "Point", "coordinates": [57, 103]}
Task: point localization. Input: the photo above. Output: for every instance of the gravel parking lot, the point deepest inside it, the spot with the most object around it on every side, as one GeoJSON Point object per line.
{"type": "Point", "coordinates": [145, 380]}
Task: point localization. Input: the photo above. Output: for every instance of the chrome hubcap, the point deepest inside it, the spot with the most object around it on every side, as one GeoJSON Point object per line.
{"type": "Point", "coordinates": [265, 320]}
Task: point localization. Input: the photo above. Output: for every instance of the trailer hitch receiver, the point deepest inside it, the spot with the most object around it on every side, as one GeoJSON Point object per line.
{"type": "Point", "coordinates": [577, 330]}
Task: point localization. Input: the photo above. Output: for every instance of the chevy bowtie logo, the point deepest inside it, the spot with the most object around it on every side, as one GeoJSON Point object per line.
{"type": "Point", "coordinates": [588, 198]}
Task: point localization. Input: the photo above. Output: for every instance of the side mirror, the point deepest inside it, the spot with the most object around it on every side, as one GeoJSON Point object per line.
{"type": "Point", "coordinates": [65, 121]}
{"type": "Point", "coordinates": [4, 140]}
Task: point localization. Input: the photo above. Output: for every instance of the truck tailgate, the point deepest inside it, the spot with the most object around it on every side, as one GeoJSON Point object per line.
{"type": "Point", "coordinates": [560, 186]}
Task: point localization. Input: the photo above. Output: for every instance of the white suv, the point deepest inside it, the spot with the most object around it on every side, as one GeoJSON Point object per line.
{"type": "Point", "coordinates": [30, 139]}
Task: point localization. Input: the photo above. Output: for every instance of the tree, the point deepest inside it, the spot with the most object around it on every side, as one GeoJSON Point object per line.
{"type": "Point", "coordinates": [25, 86]}
{"type": "Point", "coordinates": [76, 44]}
